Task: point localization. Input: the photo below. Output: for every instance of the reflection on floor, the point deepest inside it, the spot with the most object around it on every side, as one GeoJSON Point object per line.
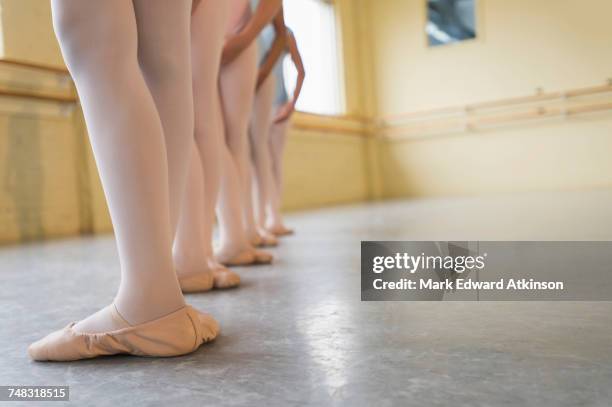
{"type": "Point", "coordinates": [297, 333]}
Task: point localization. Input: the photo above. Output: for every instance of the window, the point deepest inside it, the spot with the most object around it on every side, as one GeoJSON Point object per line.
{"type": "Point", "coordinates": [450, 21]}
{"type": "Point", "coordinates": [314, 25]}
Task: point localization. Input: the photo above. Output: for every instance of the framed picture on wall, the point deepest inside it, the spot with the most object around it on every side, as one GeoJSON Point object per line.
{"type": "Point", "coordinates": [450, 21]}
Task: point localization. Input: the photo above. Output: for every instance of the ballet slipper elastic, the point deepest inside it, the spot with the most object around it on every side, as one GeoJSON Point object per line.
{"type": "Point", "coordinates": [225, 278]}
{"type": "Point", "coordinates": [196, 282]}
{"type": "Point", "coordinates": [178, 333]}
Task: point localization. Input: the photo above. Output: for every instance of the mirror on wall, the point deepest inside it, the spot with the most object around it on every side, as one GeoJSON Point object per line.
{"type": "Point", "coordinates": [450, 21]}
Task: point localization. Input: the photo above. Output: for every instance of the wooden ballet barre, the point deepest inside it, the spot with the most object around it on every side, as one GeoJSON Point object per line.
{"type": "Point", "coordinates": [35, 65]}
{"type": "Point", "coordinates": [508, 102]}
{"type": "Point", "coordinates": [329, 128]}
{"type": "Point", "coordinates": [38, 96]}
{"type": "Point", "coordinates": [593, 90]}
{"type": "Point", "coordinates": [543, 97]}
{"type": "Point", "coordinates": [446, 111]}
{"type": "Point", "coordinates": [589, 91]}
{"type": "Point", "coordinates": [540, 113]}
{"type": "Point", "coordinates": [498, 120]}
{"type": "Point", "coordinates": [595, 108]}
{"type": "Point", "coordinates": [332, 116]}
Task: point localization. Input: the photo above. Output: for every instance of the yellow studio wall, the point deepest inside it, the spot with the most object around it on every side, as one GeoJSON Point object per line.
{"type": "Point", "coordinates": [522, 45]}
{"type": "Point", "coordinates": [325, 162]}
{"type": "Point", "coordinates": [555, 156]}
{"type": "Point", "coordinates": [48, 183]}
{"type": "Point", "coordinates": [323, 169]}
{"type": "Point", "coordinates": [27, 32]}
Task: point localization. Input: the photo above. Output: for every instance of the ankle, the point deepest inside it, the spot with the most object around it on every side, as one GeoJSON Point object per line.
{"type": "Point", "coordinates": [232, 247]}
{"type": "Point", "coordinates": [145, 300]}
{"type": "Point", "coordinates": [189, 262]}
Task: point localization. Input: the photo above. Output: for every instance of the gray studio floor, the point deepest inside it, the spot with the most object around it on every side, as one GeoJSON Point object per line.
{"type": "Point", "coordinates": [296, 332]}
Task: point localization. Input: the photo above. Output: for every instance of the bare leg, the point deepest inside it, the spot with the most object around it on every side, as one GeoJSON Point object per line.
{"type": "Point", "coordinates": [278, 137]}
{"type": "Point", "coordinates": [128, 143]}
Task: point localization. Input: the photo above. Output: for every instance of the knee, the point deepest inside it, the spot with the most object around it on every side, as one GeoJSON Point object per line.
{"type": "Point", "coordinates": [86, 48]}
{"type": "Point", "coordinates": [68, 30]}
{"type": "Point", "coordinates": [259, 152]}
{"type": "Point", "coordinates": [161, 67]}
{"type": "Point", "coordinates": [236, 146]}
{"type": "Point", "coordinates": [68, 21]}
{"type": "Point", "coordinates": [236, 136]}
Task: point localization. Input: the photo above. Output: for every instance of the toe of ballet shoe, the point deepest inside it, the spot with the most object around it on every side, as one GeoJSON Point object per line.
{"type": "Point", "coordinates": [225, 278]}
{"type": "Point", "coordinates": [287, 232]}
{"type": "Point", "coordinates": [61, 345]}
{"type": "Point", "coordinates": [209, 327]}
{"type": "Point", "coordinates": [270, 241]}
{"type": "Point", "coordinates": [178, 333]}
{"type": "Point", "coordinates": [262, 257]}
{"type": "Point", "coordinates": [196, 282]}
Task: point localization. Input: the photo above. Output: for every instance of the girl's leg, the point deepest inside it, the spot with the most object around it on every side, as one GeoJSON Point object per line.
{"type": "Point", "coordinates": [237, 84]}
{"type": "Point", "coordinates": [232, 237]}
{"type": "Point", "coordinates": [193, 244]}
{"type": "Point", "coordinates": [234, 247]}
{"type": "Point", "coordinates": [237, 92]}
{"type": "Point", "coordinates": [193, 251]}
{"type": "Point", "coordinates": [99, 43]}
{"type": "Point", "coordinates": [259, 134]}
{"type": "Point", "coordinates": [189, 245]}
{"type": "Point", "coordinates": [164, 52]}
{"type": "Point", "coordinates": [278, 137]}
